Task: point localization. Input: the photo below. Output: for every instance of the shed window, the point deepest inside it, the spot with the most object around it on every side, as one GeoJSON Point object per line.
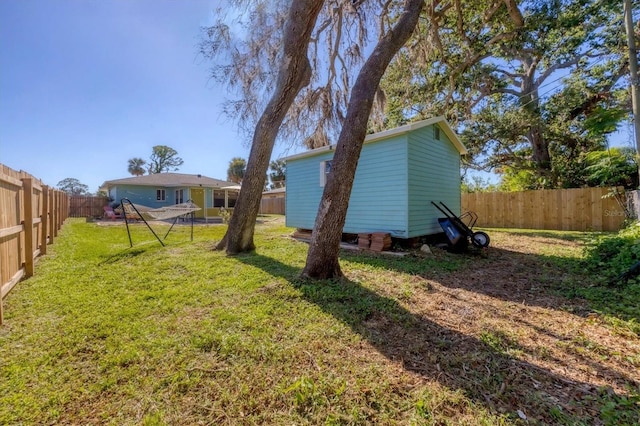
{"type": "Point", "coordinates": [436, 132]}
{"type": "Point", "coordinates": [325, 169]}
{"type": "Point", "coordinates": [160, 195]}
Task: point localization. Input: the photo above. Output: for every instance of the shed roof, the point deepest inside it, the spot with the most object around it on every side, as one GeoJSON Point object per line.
{"type": "Point", "coordinates": [172, 180]}
{"type": "Point", "coordinates": [440, 120]}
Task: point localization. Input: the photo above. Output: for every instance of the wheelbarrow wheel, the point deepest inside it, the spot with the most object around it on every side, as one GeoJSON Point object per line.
{"type": "Point", "coordinates": [480, 239]}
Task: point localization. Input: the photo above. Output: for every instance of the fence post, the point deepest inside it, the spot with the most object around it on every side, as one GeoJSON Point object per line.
{"type": "Point", "coordinates": [44, 219]}
{"type": "Point", "coordinates": [28, 226]}
{"type": "Point", "coordinates": [51, 214]}
{"type": "Point", "coordinates": [56, 213]}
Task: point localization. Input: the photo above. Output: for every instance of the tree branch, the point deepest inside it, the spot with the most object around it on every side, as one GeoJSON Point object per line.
{"type": "Point", "coordinates": [556, 67]}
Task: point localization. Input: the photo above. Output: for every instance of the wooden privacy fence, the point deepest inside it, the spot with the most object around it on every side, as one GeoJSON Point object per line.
{"type": "Point", "coordinates": [579, 209]}
{"type": "Point", "coordinates": [272, 205]}
{"type": "Point", "coordinates": [30, 216]}
{"type": "Point", "coordinates": [87, 206]}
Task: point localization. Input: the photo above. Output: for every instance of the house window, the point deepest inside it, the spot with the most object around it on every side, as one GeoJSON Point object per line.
{"type": "Point", "coordinates": [325, 169]}
{"type": "Point", "coordinates": [218, 199]}
{"type": "Point", "coordinates": [436, 132]}
{"type": "Point", "coordinates": [160, 195]}
{"type": "Point", "coordinates": [232, 197]}
{"type": "Point", "coordinates": [179, 196]}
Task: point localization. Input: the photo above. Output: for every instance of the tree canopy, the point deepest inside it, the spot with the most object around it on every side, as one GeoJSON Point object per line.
{"type": "Point", "coordinates": [247, 64]}
{"type": "Point", "coordinates": [73, 186]}
{"type": "Point", "coordinates": [532, 87]}
{"type": "Point", "coordinates": [164, 159]}
{"type": "Point", "coordinates": [277, 175]}
{"type": "Point", "coordinates": [136, 166]}
{"type": "Point", "coordinates": [236, 170]}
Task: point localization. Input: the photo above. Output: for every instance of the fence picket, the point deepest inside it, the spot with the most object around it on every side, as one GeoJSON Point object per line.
{"type": "Point", "coordinates": [576, 209]}
{"type": "Point", "coordinates": [29, 217]}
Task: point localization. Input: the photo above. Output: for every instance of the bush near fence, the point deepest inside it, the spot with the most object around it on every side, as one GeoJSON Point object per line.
{"type": "Point", "coordinates": [31, 214]}
{"type": "Point", "coordinates": [577, 209]}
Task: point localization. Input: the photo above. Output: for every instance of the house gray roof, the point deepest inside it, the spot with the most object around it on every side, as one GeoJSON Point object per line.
{"type": "Point", "coordinates": [171, 180]}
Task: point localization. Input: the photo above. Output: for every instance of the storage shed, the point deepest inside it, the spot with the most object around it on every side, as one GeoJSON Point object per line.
{"type": "Point", "coordinates": [399, 173]}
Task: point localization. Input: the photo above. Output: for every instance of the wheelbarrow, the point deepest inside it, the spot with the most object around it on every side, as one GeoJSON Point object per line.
{"type": "Point", "coordinates": [458, 231]}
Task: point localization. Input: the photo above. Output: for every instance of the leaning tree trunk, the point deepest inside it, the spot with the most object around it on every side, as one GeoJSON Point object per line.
{"type": "Point", "coordinates": [294, 74]}
{"type": "Point", "coordinates": [322, 258]}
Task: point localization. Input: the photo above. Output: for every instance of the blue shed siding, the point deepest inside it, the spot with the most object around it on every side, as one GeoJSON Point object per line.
{"type": "Point", "coordinates": [434, 175]}
{"type": "Point", "coordinates": [378, 199]}
{"type": "Point", "coordinates": [304, 190]}
{"type": "Point", "coordinates": [379, 195]}
{"type": "Point", "coordinates": [396, 180]}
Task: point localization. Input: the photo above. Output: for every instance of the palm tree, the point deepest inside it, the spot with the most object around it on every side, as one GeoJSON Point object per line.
{"type": "Point", "coordinates": [136, 166]}
{"type": "Point", "coordinates": [237, 169]}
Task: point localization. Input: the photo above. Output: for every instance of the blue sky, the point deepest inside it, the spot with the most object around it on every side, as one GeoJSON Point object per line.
{"type": "Point", "coordinates": [86, 85]}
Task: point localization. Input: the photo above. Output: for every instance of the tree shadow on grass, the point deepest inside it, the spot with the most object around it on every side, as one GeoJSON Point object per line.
{"type": "Point", "coordinates": [547, 281]}
{"type": "Point", "coordinates": [122, 255]}
{"type": "Point", "coordinates": [481, 369]}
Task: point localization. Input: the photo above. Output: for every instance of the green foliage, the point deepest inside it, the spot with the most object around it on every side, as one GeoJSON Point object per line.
{"type": "Point", "coordinates": [612, 254]}
{"type": "Point", "coordinates": [613, 167]}
{"type": "Point", "coordinates": [164, 159]}
{"type": "Point", "coordinates": [514, 179]}
{"type": "Point", "coordinates": [237, 169]}
{"type": "Point", "coordinates": [476, 183]}
{"type": "Point", "coordinates": [278, 173]}
{"type": "Point", "coordinates": [136, 166]}
{"type": "Point", "coordinates": [73, 186]}
{"type": "Point", "coordinates": [608, 257]}
{"type": "Point", "coordinates": [532, 89]}
{"type": "Point", "coordinates": [225, 214]}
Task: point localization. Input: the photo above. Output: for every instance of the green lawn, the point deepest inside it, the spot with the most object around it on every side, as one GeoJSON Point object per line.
{"type": "Point", "coordinates": [107, 334]}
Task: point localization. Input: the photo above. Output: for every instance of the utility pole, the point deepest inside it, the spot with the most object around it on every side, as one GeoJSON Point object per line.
{"type": "Point", "coordinates": [633, 69]}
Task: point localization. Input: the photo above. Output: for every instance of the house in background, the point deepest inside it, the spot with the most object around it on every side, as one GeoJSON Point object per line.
{"type": "Point", "coordinates": [164, 189]}
{"type": "Point", "coordinates": [399, 173]}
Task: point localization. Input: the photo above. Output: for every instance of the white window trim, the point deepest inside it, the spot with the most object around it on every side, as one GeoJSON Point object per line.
{"type": "Point", "coordinates": [323, 172]}
{"type": "Point", "coordinates": [181, 199]}
{"type": "Point", "coordinates": [161, 194]}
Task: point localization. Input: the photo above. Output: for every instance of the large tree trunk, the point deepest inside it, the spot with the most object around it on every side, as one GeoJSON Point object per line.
{"type": "Point", "coordinates": [293, 75]}
{"type": "Point", "coordinates": [322, 258]}
{"type": "Point", "coordinates": [531, 102]}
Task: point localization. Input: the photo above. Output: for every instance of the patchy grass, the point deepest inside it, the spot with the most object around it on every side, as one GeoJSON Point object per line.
{"type": "Point", "coordinates": [107, 334]}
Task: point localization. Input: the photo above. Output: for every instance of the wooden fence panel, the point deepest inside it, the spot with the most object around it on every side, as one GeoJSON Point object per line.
{"type": "Point", "coordinates": [28, 220]}
{"type": "Point", "coordinates": [272, 205]}
{"type": "Point", "coordinates": [87, 206]}
{"type": "Point", "coordinates": [578, 209]}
